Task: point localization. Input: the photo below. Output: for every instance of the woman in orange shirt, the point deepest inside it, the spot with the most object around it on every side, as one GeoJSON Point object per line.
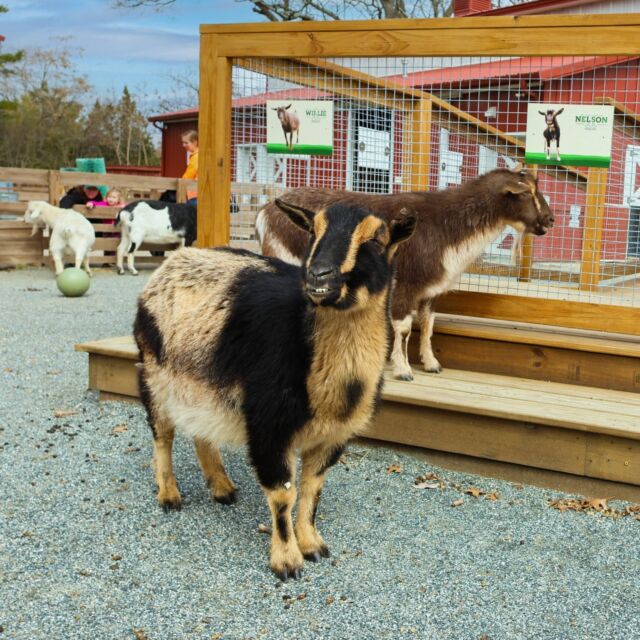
{"type": "Point", "coordinates": [190, 143]}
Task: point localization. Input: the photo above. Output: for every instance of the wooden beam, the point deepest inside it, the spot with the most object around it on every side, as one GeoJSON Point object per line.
{"type": "Point", "coordinates": [214, 174]}
{"type": "Point", "coordinates": [526, 250]}
{"type": "Point", "coordinates": [592, 230]}
{"type": "Point", "coordinates": [579, 315]}
{"type": "Point", "coordinates": [431, 38]}
{"type": "Point", "coordinates": [420, 146]}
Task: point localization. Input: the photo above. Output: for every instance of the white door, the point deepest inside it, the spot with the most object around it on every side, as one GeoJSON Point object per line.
{"type": "Point", "coordinates": [254, 164]}
{"type": "Point", "coordinates": [450, 163]}
{"type": "Point", "coordinates": [631, 198]}
{"type": "Point", "coordinates": [487, 159]}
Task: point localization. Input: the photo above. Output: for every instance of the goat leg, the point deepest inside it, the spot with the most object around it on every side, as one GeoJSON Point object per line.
{"type": "Point", "coordinates": [426, 319]}
{"type": "Point", "coordinates": [400, 353]}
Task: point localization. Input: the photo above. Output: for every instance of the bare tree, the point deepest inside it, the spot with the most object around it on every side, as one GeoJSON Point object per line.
{"type": "Point", "coordinates": [287, 10]}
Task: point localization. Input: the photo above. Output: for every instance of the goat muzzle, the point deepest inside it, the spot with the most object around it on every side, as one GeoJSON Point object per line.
{"type": "Point", "coordinates": [322, 282]}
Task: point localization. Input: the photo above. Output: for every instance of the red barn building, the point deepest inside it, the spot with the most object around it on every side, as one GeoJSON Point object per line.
{"type": "Point", "coordinates": [369, 146]}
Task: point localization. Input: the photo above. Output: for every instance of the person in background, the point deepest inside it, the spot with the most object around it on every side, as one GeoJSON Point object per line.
{"type": "Point", "coordinates": [112, 199]}
{"type": "Point", "coordinates": [190, 143]}
{"type": "Point", "coordinates": [80, 195]}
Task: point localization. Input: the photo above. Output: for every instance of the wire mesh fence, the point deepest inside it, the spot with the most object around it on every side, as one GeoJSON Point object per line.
{"type": "Point", "coordinates": [403, 124]}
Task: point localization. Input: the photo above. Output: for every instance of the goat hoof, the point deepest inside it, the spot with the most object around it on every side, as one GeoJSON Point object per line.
{"type": "Point", "coordinates": [120, 272]}
{"type": "Point", "coordinates": [288, 572]}
{"type": "Point", "coordinates": [437, 369]}
{"type": "Point", "coordinates": [227, 498]}
{"type": "Point", "coordinates": [316, 556]}
{"type": "Point", "coordinates": [407, 377]}
{"type": "Point", "coordinates": [171, 505]}
{"type": "Point", "coordinates": [134, 273]}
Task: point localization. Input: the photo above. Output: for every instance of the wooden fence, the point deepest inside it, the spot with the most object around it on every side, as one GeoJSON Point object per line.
{"type": "Point", "coordinates": [18, 247]}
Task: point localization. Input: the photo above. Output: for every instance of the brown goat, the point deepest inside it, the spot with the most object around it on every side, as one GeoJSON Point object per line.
{"type": "Point", "coordinates": [290, 123]}
{"type": "Point", "coordinates": [453, 227]}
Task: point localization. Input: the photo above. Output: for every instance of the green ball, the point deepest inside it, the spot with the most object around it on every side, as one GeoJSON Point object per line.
{"type": "Point", "coordinates": [73, 282]}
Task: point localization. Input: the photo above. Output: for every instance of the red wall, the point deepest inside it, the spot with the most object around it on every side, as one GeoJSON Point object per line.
{"type": "Point", "coordinates": [174, 157]}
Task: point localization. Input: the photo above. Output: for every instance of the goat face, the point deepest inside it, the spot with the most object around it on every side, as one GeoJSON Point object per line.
{"type": "Point", "coordinates": [526, 208]}
{"type": "Point", "coordinates": [283, 116]}
{"type": "Point", "coordinates": [350, 254]}
{"type": "Point", "coordinates": [33, 215]}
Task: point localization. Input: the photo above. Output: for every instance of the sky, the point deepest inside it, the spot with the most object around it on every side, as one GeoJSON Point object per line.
{"type": "Point", "coordinates": [114, 46]}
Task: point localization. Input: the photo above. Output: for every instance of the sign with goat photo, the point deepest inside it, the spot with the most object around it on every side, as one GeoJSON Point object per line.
{"type": "Point", "coordinates": [574, 134]}
{"type": "Point", "coordinates": [300, 126]}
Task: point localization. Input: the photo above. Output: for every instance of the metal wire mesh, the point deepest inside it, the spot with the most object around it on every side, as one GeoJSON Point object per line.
{"type": "Point", "coordinates": [476, 123]}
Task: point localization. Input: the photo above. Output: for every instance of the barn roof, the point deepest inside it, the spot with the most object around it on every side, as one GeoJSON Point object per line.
{"type": "Point", "coordinates": [539, 67]}
{"type": "Point", "coordinates": [246, 101]}
{"type": "Point", "coordinates": [538, 7]}
{"type": "Point", "coordinates": [173, 116]}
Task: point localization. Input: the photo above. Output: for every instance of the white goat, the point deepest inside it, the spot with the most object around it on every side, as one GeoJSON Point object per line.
{"type": "Point", "coordinates": [155, 222]}
{"type": "Point", "coordinates": [71, 232]}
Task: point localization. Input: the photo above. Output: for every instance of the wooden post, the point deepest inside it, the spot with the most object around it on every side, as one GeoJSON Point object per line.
{"type": "Point", "coordinates": [214, 171]}
{"type": "Point", "coordinates": [55, 187]}
{"type": "Point", "coordinates": [592, 232]}
{"type": "Point", "coordinates": [420, 146]}
{"type": "Point", "coordinates": [526, 257]}
{"type": "Point", "coordinates": [181, 191]}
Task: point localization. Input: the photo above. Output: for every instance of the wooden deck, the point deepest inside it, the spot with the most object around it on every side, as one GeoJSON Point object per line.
{"type": "Point", "coordinates": [573, 428]}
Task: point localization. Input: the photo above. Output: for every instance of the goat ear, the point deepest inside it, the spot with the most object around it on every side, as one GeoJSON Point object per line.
{"type": "Point", "coordinates": [300, 216]}
{"type": "Point", "coordinates": [517, 167]}
{"type": "Point", "coordinates": [402, 227]}
{"type": "Point", "coordinates": [516, 188]}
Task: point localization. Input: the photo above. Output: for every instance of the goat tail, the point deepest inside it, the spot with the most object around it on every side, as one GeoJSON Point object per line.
{"type": "Point", "coordinates": [68, 231]}
{"type": "Point", "coordinates": [121, 217]}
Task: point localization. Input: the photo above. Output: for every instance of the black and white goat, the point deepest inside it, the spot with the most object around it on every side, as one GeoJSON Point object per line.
{"type": "Point", "coordinates": [453, 228]}
{"type": "Point", "coordinates": [155, 222]}
{"type": "Point", "coordinates": [243, 349]}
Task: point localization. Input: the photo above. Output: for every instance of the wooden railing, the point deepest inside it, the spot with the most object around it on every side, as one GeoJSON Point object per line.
{"type": "Point", "coordinates": [18, 247]}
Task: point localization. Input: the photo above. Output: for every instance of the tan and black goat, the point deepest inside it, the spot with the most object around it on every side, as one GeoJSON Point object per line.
{"type": "Point", "coordinates": [244, 349]}
{"type": "Point", "coordinates": [453, 228]}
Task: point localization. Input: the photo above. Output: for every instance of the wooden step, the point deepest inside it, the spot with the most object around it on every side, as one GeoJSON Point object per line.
{"type": "Point", "coordinates": [558, 354]}
{"type": "Point", "coordinates": [574, 429]}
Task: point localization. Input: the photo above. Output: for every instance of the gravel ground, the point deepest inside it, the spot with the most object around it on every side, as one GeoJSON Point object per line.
{"type": "Point", "coordinates": [85, 552]}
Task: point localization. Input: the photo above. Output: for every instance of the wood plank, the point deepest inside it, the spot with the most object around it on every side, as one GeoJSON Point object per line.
{"type": "Point", "coordinates": [528, 333]}
{"type": "Point", "coordinates": [579, 39]}
{"type": "Point", "coordinates": [420, 146]}
{"type": "Point", "coordinates": [613, 458]}
{"type": "Point", "coordinates": [24, 176]}
{"type": "Point", "coordinates": [124, 181]}
{"type": "Point", "coordinates": [535, 362]}
{"type": "Point", "coordinates": [118, 347]}
{"type": "Point", "coordinates": [113, 375]}
{"type": "Point", "coordinates": [592, 231]}
{"type": "Point", "coordinates": [461, 399]}
{"type": "Point", "coordinates": [481, 436]}
{"type": "Point", "coordinates": [504, 389]}
{"type": "Point", "coordinates": [580, 315]}
{"type": "Point", "coordinates": [574, 393]}
{"type": "Point", "coordinates": [215, 146]}
{"type": "Point", "coordinates": [543, 478]}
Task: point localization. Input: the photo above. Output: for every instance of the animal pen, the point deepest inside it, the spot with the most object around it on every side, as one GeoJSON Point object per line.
{"type": "Point", "coordinates": [430, 104]}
